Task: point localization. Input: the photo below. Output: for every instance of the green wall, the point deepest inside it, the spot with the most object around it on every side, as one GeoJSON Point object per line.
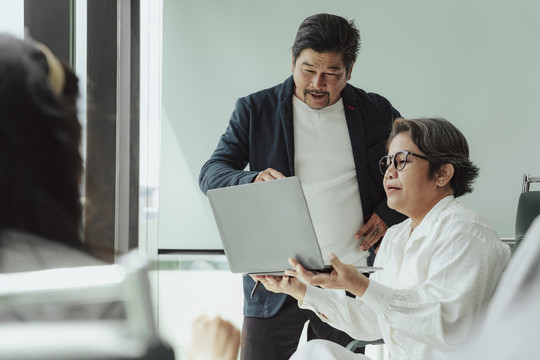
{"type": "Point", "coordinates": [475, 63]}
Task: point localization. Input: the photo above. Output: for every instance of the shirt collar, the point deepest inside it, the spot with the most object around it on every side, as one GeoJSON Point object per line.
{"type": "Point", "coordinates": [433, 214]}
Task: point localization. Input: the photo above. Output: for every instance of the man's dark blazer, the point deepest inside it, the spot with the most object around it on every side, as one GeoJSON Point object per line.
{"type": "Point", "coordinates": [260, 134]}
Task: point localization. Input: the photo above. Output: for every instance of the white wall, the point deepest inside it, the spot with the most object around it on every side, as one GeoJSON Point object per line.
{"type": "Point", "coordinates": [12, 17]}
{"type": "Point", "coordinates": [472, 62]}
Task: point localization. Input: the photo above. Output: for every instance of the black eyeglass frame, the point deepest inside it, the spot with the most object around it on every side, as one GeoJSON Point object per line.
{"type": "Point", "coordinates": [383, 162]}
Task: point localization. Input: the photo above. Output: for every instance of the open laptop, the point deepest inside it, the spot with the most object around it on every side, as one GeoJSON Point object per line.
{"type": "Point", "coordinates": [263, 224]}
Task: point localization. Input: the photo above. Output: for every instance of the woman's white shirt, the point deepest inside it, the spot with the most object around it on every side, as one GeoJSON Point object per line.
{"type": "Point", "coordinates": [436, 281]}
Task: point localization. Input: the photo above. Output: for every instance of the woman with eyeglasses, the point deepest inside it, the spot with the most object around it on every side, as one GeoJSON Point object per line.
{"type": "Point", "coordinates": [440, 266]}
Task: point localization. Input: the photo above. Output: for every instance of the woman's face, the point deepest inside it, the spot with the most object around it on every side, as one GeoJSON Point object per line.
{"type": "Point", "coordinates": [410, 191]}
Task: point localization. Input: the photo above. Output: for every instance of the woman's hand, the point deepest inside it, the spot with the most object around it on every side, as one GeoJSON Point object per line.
{"type": "Point", "coordinates": [283, 284]}
{"type": "Point", "coordinates": [343, 276]}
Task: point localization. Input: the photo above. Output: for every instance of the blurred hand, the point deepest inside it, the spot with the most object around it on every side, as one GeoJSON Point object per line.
{"type": "Point", "coordinates": [213, 339]}
{"type": "Point", "coordinates": [269, 174]}
{"type": "Point", "coordinates": [373, 230]}
{"type": "Point", "coordinates": [283, 284]}
{"type": "Point", "coordinates": [343, 276]}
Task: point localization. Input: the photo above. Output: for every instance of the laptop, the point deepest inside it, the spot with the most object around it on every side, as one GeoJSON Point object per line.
{"type": "Point", "coordinates": [263, 224]}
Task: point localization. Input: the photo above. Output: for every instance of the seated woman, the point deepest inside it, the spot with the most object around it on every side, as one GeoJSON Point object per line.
{"type": "Point", "coordinates": [440, 266]}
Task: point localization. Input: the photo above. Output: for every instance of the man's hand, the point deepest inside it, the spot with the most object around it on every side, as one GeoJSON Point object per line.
{"type": "Point", "coordinates": [373, 230]}
{"type": "Point", "coordinates": [268, 174]}
{"type": "Point", "coordinates": [283, 284]}
{"type": "Point", "coordinates": [213, 339]}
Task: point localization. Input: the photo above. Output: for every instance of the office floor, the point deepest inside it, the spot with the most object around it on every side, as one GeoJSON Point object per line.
{"type": "Point", "coordinates": [189, 286]}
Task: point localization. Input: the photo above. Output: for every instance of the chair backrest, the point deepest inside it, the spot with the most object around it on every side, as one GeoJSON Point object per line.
{"type": "Point", "coordinates": [528, 208]}
{"type": "Point", "coordinates": [133, 335]}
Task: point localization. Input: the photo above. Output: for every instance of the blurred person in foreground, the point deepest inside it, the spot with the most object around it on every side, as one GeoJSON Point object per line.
{"type": "Point", "coordinates": [40, 162]}
{"type": "Point", "coordinates": [440, 266]}
{"type": "Point", "coordinates": [511, 325]}
{"type": "Point", "coordinates": [40, 174]}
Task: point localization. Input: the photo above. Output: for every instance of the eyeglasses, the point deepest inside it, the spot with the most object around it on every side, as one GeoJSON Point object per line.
{"type": "Point", "coordinates": [399, 160]}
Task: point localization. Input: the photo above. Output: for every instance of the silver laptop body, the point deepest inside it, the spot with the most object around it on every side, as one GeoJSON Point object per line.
{"type": "Point", "coordinates": [263, 224]}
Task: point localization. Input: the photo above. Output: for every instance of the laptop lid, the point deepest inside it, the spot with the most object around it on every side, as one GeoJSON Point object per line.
{"type": "Point", "coordinates": [263, 224]}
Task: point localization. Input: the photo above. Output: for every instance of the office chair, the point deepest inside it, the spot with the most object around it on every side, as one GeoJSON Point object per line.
{"type": "Point", "coordinates": [355, 344]}
{"type": "Point", "coordinates": [528, 208]}
{"type": "Point", "coordinates": [133, 336]}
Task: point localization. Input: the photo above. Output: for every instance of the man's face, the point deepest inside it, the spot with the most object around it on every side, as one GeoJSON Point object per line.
{"type": "Point", "coordinates": [319, 78]}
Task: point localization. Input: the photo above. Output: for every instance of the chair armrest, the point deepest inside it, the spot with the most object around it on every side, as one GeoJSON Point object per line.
{"type": "Point", "coordinates": [355, 344]}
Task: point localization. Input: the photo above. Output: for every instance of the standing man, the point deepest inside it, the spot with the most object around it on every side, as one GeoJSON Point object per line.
{"type": "Point", "coordinates": [330, 135]}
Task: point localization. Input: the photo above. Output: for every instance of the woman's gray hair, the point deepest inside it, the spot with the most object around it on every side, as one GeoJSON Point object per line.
{"type": "Point", "coordinates": [442, 143]}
